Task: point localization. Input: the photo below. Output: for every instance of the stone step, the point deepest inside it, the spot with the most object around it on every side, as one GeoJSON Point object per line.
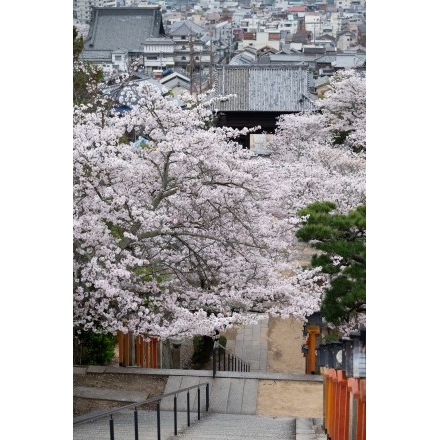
{"type": "Point", "coordinates": [310, 429]}
{"type": "Point", "coordinates": [217, 426]}
{"type": "Point", "coordinates": [226, 395]}
{"type": "Point", "coordinates": [99, 429]}
{"type": "Point", "coordinates": [211, 426]}
{"type": "Point", "coordinates": [176, 383]}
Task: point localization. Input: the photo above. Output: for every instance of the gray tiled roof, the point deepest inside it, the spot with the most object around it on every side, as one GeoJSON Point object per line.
{"type": "Point", "coordinates": [326, 37]}
{"type": "Point", "coordinates": [346, 61]}
{"type": "Point", "coordinates": [97, 55]}
{"type": "Point", "coordinates": [114, 28]}
{"type": "Point", "coordinates": [267, 87]}
{"type": "Point", "coordinates": [161, 40]}
{"type": "Point", "coordinates": [350, 62]}
{"type": "Point", "coordinates": [321, 80]}
{"type": "Point", "coordinates": [242, 58]}
{"type": "Point", "coordinates": [345, 33]}
{"type": "Point", "coordinates": [292, 58]}
{"type": "Point", "coordinates": [184, 28]}
{"type": "Point", "coordinates": [314, 50]}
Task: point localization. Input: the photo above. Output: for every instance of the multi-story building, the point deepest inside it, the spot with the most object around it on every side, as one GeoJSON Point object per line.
{"type": "Point", "coordinates": [82, 9]}
{"type": "Point", "coordinates": [346, 40]}
{"type": "Point", "coordinates": [336, 23]}
{"type": "Point", "coordinates": [343, 4]}
{"type": "Point", "coordinates": [117, 36]}
{"type": "Point", "coordinates": [313, 23]}
{"type": "Point", "coordinates": [191, 50]}
{"type": "Point", "coordinates": [259, 40]}
{"type": "Point", "coordinates": [158, 55]}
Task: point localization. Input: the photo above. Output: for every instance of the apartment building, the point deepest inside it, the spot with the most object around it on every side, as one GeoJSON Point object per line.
{"type": "Point", "coordinates": [350, 4]}
{"type": "Point", "coordinates": [82, 9]}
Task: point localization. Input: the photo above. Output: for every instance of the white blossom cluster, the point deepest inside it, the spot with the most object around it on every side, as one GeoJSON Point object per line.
{"type": "Point", "coordinates": [189, 233]}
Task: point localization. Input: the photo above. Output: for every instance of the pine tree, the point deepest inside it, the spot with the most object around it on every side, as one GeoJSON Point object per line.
{"type": "Point", "coordinates": [340, 239]}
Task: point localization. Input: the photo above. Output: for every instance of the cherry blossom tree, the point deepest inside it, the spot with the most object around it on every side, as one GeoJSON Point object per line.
{"type": "Point", "coordinates": [188, 233]}
{"type": "Point", "coordinates": [322, 155]}
{"type": "Point", "coordinates": [344, 107]}
{"type": "Point", "coordinates": [82, 29]}
{"type": "Point", "coordinates": [86, 77]}
{"type": "Point", "coordinates": [183, 234]}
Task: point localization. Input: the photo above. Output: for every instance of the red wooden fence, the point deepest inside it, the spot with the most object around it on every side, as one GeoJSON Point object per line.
{"type": "Point", "coordinates": [344, 406]}
{"type": "Point", "coordinates": [140, 351]}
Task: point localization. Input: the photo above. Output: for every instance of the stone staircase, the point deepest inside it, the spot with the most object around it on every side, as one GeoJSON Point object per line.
{"type": "Point", "coordinates": [211, 426]}
{"type": "Point", "coordinates": [232, 414]}
{"type": "Point", "coordinates": [228, 395]}
{"type": "Point", "coordinates": [237, 426]}
{"type": "Point", "coordinates": [235, 408]}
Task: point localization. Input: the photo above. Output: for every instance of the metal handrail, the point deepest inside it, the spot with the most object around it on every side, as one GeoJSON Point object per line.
{"type": "Point", "coordinates": [83, 419]}
{"type": "Point", "coordinates": [234, 363]}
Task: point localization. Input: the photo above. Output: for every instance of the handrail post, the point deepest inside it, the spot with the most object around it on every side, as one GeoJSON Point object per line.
{"type": "Point", "coordinates": [207, 396]}
{"type": "Point", "coordinates": [158, 419]}
{"type": "Point", "coordinates": [112, 428]}
{"type": "Point", "coordinates": [136, 425]}
{"type": "Point", "coordinates": [187, 408]}
{"type": "Point", "coordinates": [214, 350]}
{"type": "Point", "coordinates": [175, 414]}
{"type": "Point", "coordinates": [136, 405]}
{"type": "Point", "coordinates": [198, 403]}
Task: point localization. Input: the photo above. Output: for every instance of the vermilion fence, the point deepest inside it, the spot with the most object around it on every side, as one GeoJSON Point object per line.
{"type": "Point", "coordinates": [140, 351]}
{"type": "Point", "coordinates": [343, 366]}
{"type": "Point", "coordinates": [344, 406]}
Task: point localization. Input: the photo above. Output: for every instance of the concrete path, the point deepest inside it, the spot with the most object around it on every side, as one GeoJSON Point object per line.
{"type": "Point", "coordinates": [250, 345]}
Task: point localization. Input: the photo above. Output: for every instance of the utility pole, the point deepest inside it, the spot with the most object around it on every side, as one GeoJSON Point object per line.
{"type": "Point", "coordinates": [200, 72]}
{"type": "Point", "coordinates": [211, 59]}
{"type": "Point", "coordinates": [191, 63]}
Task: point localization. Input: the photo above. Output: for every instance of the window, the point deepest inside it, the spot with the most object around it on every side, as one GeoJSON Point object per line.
{"type": "Point", "coordinates": [151, 57]}
{"type": "Point", "coordinates": [118, 57]}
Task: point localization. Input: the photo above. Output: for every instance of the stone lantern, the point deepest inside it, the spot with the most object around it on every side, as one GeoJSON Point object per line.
{"type": "Point", "coordinates": [355, 353]}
